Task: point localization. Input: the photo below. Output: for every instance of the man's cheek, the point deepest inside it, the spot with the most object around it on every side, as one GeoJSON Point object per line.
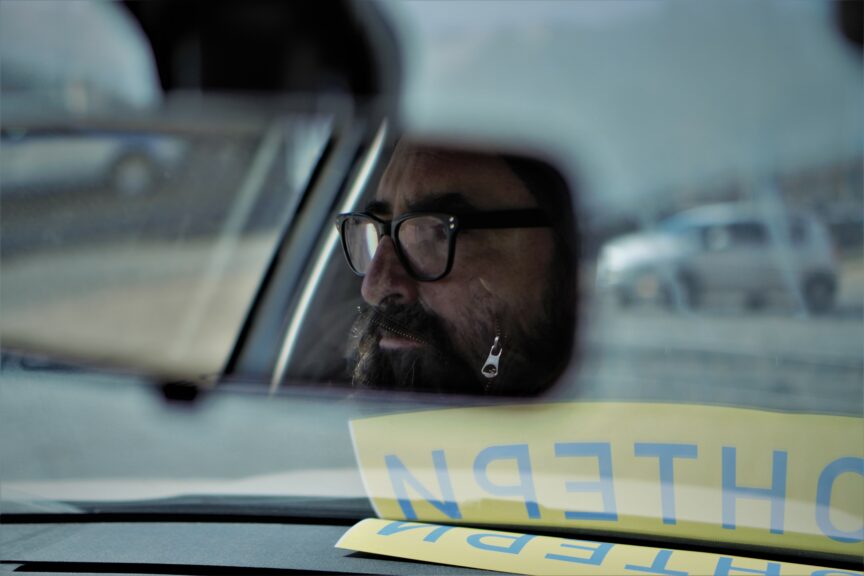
{"type": "Point", "coordinates": [472, 334]}
{"type": "Point", "coordinates": [469, 312]}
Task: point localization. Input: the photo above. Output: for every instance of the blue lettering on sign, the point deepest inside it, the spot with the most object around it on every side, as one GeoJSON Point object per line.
{"type": "Point", "coordinates": [850, 465]}
{"type": "Point", "coordinates": [666, 453]}
{"type": "Point", "coordinates": [514, 547]}
{"type": "Point", "coordinates": [399, 476]}
{"type": "Point", "coordinates": [724, 565]}
{"type": "Point", "coordinates": [525, 487]}
{"type": "Point", "coordinates": [776, 493]}
{"type": "Point", "coordinates": [658, 566]}
{"type": "Point", "coordinates": [832, 572]}
{"type": "Point", "coordinates": [598, 550]}
{"type": "Point", "coordinates": [397, 527]}
{"type": "Point", "coordinates": [603, 452]}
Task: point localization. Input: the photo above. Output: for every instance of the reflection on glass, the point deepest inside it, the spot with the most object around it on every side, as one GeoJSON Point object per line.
{"type": "Point", "coordinates": [468, 278]}
{"type": "Point", "coordinates": [143, 247]}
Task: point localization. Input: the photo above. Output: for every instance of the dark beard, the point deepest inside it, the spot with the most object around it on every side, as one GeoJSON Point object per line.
{"type": "Point", "coordinates": [434, 366]}
{"type": "Point", "coordinates": [532, 358]}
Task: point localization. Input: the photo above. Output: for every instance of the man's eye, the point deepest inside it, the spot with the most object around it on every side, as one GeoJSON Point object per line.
{"type": "Point", "coordinates": [437, 233]}
{"type": "Point", "coordinates": [423, 229]}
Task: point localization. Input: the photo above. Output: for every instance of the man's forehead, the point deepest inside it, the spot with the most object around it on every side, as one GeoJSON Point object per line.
{"type": "Point", "coordinates": [419, 178]}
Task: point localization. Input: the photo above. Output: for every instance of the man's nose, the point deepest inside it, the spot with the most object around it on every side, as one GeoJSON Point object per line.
{"type": "Point", "coordinates": [387, 278]}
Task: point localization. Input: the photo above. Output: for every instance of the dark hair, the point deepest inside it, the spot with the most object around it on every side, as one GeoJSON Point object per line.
{"type": "Point", "coordinates": [556, 198]}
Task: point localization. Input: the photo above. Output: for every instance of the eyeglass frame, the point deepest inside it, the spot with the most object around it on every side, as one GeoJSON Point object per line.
{"type": "Point", "coordinates": [495, 219]}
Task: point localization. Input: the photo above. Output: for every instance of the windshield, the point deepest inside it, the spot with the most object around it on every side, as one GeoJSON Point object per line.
{"type": "Point", "coordinates": [593, 269]}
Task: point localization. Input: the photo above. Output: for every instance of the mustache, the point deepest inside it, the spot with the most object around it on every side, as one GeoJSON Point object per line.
{"type": "Point", "coordinates": [411, 322]}
{"type": "Point", "coordinates": [372, 368]}
{"type": "Point", "coordinates": [435, 367]}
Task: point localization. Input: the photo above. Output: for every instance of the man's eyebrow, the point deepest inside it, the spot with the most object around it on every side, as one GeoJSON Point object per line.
{"type": "Point", "coordinates": [450, 202]}
{"type": "Point", "coordinates": [378, 207]}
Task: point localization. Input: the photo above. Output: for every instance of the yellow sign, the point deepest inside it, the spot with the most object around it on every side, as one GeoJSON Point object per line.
{"type": "Point", "coordinates": [527, 554]}
{"type": "Point", "coordinates": [793, 481]}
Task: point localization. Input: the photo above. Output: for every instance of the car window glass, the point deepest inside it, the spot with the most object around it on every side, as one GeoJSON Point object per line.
{"type": "Point", "coordinates": [748, 233]}
{"type": "Point", "coordinates": [142, 244]}
{"type": "Point", "coordinates": [798, 231]}
{"type": "Point", "coordinates": [717, 237]}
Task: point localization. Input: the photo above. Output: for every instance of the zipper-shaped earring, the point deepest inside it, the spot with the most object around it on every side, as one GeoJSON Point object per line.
{"type": "Point", "coordinates": [490, 367]}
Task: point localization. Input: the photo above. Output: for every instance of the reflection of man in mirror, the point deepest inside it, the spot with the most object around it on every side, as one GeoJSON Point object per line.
{"type": "Point", "coordinates": [469, 272]}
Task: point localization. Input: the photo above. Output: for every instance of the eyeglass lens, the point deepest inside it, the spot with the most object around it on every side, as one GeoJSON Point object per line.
{"type": "Point", "coordinates": [361, 240]}
{"type": "Point", "coordinates": [423, 241]}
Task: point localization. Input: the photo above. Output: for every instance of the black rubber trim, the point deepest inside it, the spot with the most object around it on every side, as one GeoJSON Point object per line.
{"type": "Point", "coordinates": [232, 510]}
{"type": "Point", "coordinates": [347, 519]}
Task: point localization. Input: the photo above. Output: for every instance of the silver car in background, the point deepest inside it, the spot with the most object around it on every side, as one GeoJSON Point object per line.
{"type": "Point", "coordinates": [127, 163]}
{"type": "Point", "coordinates": [724, 251]}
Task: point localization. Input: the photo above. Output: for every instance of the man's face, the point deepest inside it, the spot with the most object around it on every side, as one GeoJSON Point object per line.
{"type": "Point", "coordinates": [437, 335]}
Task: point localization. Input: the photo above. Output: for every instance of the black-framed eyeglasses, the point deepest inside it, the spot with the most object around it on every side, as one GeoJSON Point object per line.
{"type": "Point", "coordinates": [425, 241]}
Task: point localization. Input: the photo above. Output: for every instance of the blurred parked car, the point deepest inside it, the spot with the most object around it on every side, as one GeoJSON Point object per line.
{"type": "Point", "coordinates": [127, 163]}
{"type": "Point", "coordinates": [730, 248]}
